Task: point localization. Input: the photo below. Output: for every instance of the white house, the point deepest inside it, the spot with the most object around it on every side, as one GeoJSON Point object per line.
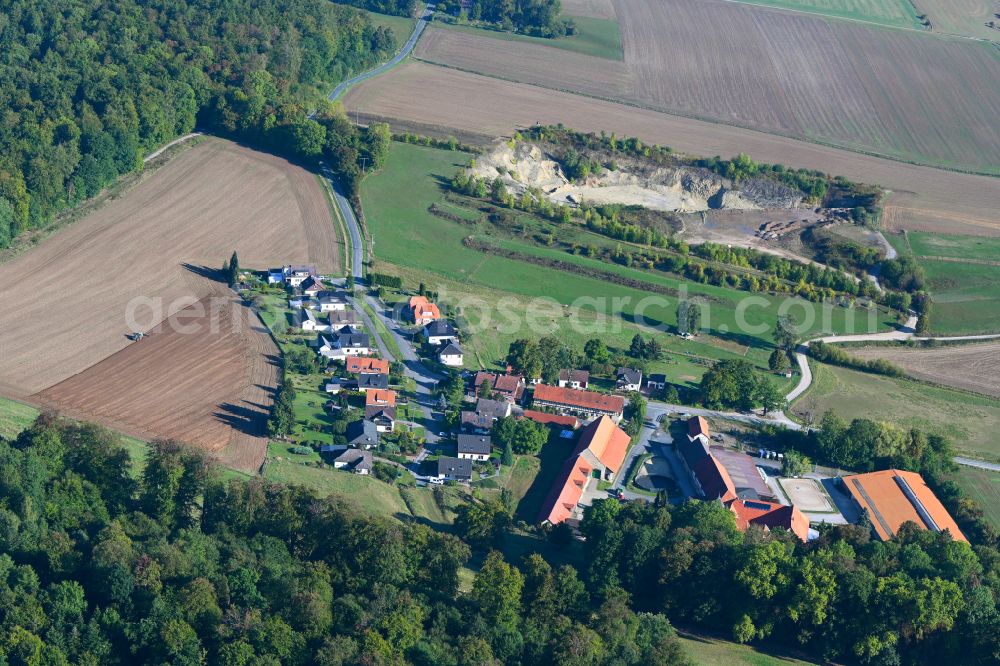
{"type": "Point", "coordinates": [294, 276]}
{"type": "Point", "coordinates": [439, 332]}
{"type": "Point", "coordinates": [575, 379]}
{"type": "Point", "coordinates": [474, 447]}
{"type": "Point", "coordinates": [307, 321]}
{"type": "Point", "coordinates": [328, 301]}
{"type": "Point", "coordinates": [451, 355]}
{"type": "Point", "coordinates": [628, 379]}
{"type": "Point", "coordinates": [345, 344]}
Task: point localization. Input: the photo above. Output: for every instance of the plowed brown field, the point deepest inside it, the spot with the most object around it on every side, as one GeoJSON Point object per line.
{"type": "Point", "coordinates": [63, 339]}
{"type": "Point", "coordinates": [437, 96]}
{"type": "Point", "coordinates": [973, 367]}
{"type": "Point", "coordinates": [900, 93]}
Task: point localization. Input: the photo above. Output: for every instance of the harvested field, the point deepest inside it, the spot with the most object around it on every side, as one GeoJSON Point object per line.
{"type": "Point", "coordinates": [900, 93]}
{"type": "Point", "coordinates": [898, 13]}
{"type": "Point", "coordinates": [161, 241]}
{"type": "Point", "coordinates": [212, 385]}
{"type": "Point", "coordinates": [432, 96]}
{"type": "Point", "coordinates": [973, 367]}
{"type": "Point", "coordinates": [563, 70]}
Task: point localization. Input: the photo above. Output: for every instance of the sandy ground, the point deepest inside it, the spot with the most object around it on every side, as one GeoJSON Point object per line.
{"type": "Point", "coordinates": [807, 495]}
{"type": "Point", "coordinates": [974, 367]}
{"type": "Point", "coordinates": [436, 96]}
{"type": "Point", "coordinates": [64, 345]}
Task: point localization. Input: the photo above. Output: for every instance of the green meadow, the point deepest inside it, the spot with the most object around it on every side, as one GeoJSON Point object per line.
{"type": "Point", "coordinates": [983, 486]}
{"type": "Point", "coordinates": [596, 37]}
{"type": "Point", "coordinates": [969, 420]}
{"type": "Point", "coordinates": [899, 13]}
{"type": "Point", "coordinates": [497, 298]}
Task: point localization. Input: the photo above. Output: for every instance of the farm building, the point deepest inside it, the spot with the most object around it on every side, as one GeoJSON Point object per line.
{"type": "Point", "coordinates": [599, 454]}
{"type": "Point", "coordinates": [769, 515]}
{"type": "Point", "coordinates": [585, 404]}
{"type": "Point", "coordinates": [893, 497]}
{"type": "Point", "coordinates": [568, 422]}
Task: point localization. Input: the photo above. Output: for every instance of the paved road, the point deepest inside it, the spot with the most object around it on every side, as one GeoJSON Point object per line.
{"type": "Point", "coordinates": [904, 333]}
{"type": "Point", "coordinates": [981, 464]}
{"type": "Point", "coordinates": [403, 53]}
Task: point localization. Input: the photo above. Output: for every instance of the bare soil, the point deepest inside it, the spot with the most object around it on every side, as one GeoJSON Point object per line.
{"type": "Point", "coordinates": [211, 387]}
{"type": "Point", "coordinates": [905, 94]}
{"type": "Point", "coordinates": [64, 340]}
{"type": "Point", "coordinates": [973, 367]}
{"type": "Point", "coordinates": [427, 95]}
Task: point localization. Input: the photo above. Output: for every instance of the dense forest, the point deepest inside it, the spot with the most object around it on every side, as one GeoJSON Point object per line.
{"type": "Point", "coordinates": [87, 88]}
{"type": "Point", "coordinates": [100, 567]}
{"type": "Point", "coordinates": [539, 18]}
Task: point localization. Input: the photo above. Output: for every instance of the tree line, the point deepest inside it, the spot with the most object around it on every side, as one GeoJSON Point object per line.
{"type": "Point", "coordinates": [88, 88]}
{"type": "Point", "coordinates": [538, 18]}
{"type": "Point", "coordinates": [173, 565]}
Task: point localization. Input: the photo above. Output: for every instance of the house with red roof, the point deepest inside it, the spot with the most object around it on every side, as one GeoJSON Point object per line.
{"type": "Point", "coordinates": [358, 364]}
{"type": "Point", "coordinates": [599, 454]}
{"type": "Point", "coordinates": [505, 387]}
{"type": "Point", "coordinates": [423, 311]}
{"type": "Point", "coordinates": [584, 404]}
{"type": "Point", "coordinates": [568, 422]}
{"type": "Point", "coordinates": [769, 515]}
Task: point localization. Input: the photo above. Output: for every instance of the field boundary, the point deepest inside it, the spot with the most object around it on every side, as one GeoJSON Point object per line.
{"type": "Point", "coordinates": [714, 121]}
{"type": "Point", "coordinates": [338, 221]}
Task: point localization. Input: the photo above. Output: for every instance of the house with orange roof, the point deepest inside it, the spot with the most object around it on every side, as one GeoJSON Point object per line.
{"type": "Point", "coordinates": [506, 387]}
{"type": "Point", "coordinates": [893, 497]}
{"type": "Point", "coordinates": [769, 515]}
{"type": "Point", "coordinates": [599, 454]}
{"type": "Point", "coordinates": [576, 402]}
{"type": "Point", "coordinates": [568, 422]}
{"type": "Point", "coordinates": [423, 311]}
{"type": "Point", "coordinates": [380, 397]}
{"type": "Point", "coordinates": [698, 429]}
{"type": "Point", "coordinates": [358, 364]}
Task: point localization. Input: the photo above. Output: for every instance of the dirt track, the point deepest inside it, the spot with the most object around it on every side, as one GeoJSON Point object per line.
{"type": "Point", "coordinates": [162, 240]}
{"type": "Point", "coordinates": [437, 96]}
{"type": "Point", "coordinates": [974, 367]}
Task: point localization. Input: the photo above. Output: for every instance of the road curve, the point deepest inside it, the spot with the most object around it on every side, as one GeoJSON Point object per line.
{"type": "Point", "coordinates": [399, 57]}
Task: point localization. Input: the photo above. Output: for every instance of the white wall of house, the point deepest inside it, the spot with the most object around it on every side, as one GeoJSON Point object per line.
{"type": "Point", "coordinates": [474, 456]}
{"type": "Point", "coordinates": [454, 360]}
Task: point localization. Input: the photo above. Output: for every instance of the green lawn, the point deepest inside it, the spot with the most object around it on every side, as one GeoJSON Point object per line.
{"type": "Point", "coordinates": [401, 26]}
{"type": "Point", "coordinates": [594, 37]}
{"type": "Point", "coordinates": [15, 417]}
{"type": "Point", "coordinates": [924, 244]}
{"type": "Point", "coordinates": [494, 294]}
{"type": "Point", "coordinates": [887, 12]}
{"type": "Point", "coordinates": [966, 294]}
{"type": "Point", "coordinates": [706, 651]}
{"type": "Point", "coordinates": [983, 486]}
{"type": "Point", "coordinates": [969, 420]}
{"type": "Point", "coordinates": [966, 297]}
